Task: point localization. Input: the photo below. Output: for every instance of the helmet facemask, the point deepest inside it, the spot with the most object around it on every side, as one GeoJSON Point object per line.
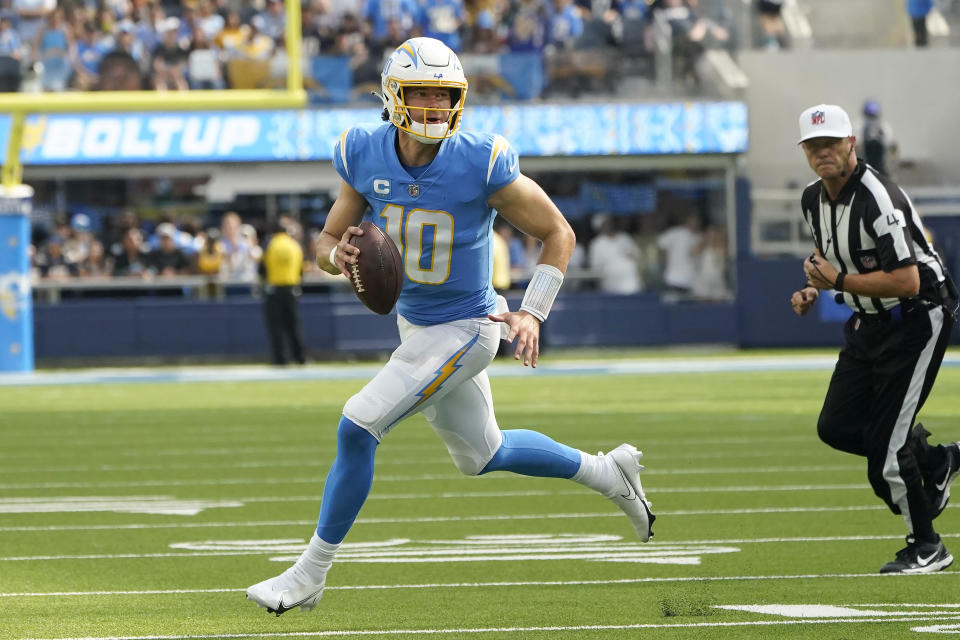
{"type": "Point", "coordinates": [423, 62]}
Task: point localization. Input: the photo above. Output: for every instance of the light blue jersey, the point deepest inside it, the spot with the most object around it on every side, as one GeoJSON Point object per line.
{"type": "Point", "coordinates": [440, 221]}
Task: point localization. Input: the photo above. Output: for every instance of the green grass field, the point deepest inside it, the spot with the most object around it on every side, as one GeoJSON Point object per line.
{"type": "Point", "coordinates": [145, 510]}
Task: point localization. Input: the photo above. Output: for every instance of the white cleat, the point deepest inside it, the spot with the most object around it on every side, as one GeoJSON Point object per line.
{"type": "Point", "coordinates": [628, 494]}
{"type": "Point", "coordinates": [291, 589]}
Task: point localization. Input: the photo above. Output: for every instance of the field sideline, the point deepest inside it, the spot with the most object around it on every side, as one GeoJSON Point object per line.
{"type": "Point", "coordinates": [144, 510]}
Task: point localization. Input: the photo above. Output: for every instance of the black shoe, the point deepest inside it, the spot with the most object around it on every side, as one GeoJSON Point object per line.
{"type": "Point", "coordinates": [938, 487]}
{"type": "Point", "coordinates": [919, 557]}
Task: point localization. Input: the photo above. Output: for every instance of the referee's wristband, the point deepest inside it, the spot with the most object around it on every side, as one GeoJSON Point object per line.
{"type": "Point", "coordinates": [838, 283]}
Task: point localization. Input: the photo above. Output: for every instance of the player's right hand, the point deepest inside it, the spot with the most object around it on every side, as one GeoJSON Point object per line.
{"type": "Point", "coordinates": [346, 253]}
{"type": "Point", "coordinates": [803, 300]}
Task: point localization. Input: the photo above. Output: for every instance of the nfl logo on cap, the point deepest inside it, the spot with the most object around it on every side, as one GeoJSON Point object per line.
{"type": "Point", "coordinates": [825, 121]}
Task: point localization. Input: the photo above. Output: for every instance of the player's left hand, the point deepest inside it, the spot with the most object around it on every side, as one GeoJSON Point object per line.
{"type": "Point", "coordinates": [526, 329]}
{"type": "Point", "coordinates": [820, 273]}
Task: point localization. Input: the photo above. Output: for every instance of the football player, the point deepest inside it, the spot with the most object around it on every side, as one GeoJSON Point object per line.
{"type": "Point", "coordinates": [433, 189]}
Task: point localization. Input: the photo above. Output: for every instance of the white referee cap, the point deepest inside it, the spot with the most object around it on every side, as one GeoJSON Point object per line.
{"type": "Point", "coordinates": [824, 121]}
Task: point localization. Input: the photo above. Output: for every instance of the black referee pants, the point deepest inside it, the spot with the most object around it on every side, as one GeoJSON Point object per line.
{"type": "Point", "coordinates": [883, 376]}
{"type": "Point", "coordinates": [283, 323]}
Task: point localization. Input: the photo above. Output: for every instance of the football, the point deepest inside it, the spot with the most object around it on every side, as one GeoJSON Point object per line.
{"type": "Point", "coordinates": [378, 275]}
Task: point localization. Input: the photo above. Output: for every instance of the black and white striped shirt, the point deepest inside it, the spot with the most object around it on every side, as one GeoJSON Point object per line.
{"type": "Point", "coordinates": [871, 226]}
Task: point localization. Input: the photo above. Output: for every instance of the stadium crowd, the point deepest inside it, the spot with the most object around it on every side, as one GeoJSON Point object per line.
{"type": "Point", "coordinates": [613, 255]}
{"type": "Point", "coordinates": [56, 45]}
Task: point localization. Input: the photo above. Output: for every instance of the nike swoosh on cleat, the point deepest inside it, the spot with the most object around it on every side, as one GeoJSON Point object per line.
{"type": "Point", "coordinates": [925, 561]}
{"type": "Point", "coordinates": [946, 480]}
{"type": "Point", "coordinates": [631, 494]}
{"type": "Point", "coordinates": [281, 608]}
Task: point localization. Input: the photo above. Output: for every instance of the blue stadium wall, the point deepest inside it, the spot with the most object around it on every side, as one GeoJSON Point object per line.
{"type": "Point", "coordinates": [760, 316]}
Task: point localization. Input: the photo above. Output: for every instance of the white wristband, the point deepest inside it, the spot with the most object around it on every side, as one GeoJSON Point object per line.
{"type": "Point", "coordinates": [542, 291]}
{"type": "Point", "coordinates": [333, 254]}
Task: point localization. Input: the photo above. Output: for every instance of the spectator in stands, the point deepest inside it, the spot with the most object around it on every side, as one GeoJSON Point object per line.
{"type": "Point", "coordinates": [396, 35]}
{"type": "Point", "coordinates": [257, 45]}
{"type": "Point", "coordinates": [443, 19]}
{"type": "Point", "coordinates": [379, 13]}
{"type": "Point", "coordinates": [632, 9]}
{"type": "Point", "coordinates": [11, 54]}
{"type": "Point", "coordinates": [241, 263]}
{"type": "Point", "coordinates": [876, 144]}
{"type": "Point", "coordinates": [76, 247]}
{"type": "Point", "coordinates": [118, 71]}
{"type": "Point", "coordinates": [209, 260]}
{"type": "Point", "coordinates": [188, 22]}
{"type": "Point", "coordinates": [710, 280]}
{"type": "Point", "coordinates": [249, 234]}
{"type": "Point", "coordinates": [691, 34]}
{"type": "Point", "coordinates": [565, 26]}
{"type": "Point", "coordinates": [365, 66]}
{"type": "Point", "coordinates": [679, 246]}
{"type": "Point", "coordinates": [349, 32]}
{"type": "Point", "coordinates": [310, 250]}
{"type": "Point", "coordinates": [484, 38]}
{"type": "Point", "coordinates": [89, 53]}
{"type": "Point", "coordinates": [169, 59]}
{"type": "Point", "coordinates": [771, 24]}
{"type": "Point", "coordinates": [918, 10]}
{"type": "Point", "coordinates": [52, 263]}
{"type": "Point", "coordinates": [127, 43]}
{"type": "Point", "coordinates": [273, 19]}
{"type": "Point", "coordinates": [167, 259]}
{"type": "Point", "coordinates": [95, 264]}
{"type": "Point", "coordinates": [203, 64]}
{"type": "Point", "coordinates": [114, 229]}
{"type": "Point", "coordinates": [614, 257]}
{"type": "Point", "coordinates": [150, 17]}
{"type": "Point", "coordinates": [528, 27]}
{"type": "Point", "coordinates": [31, 16]}
{"type": "Point", "coordinates": [232, 35]}
{"type": "Point", "coordinates": [212, 23]}
{"type": "Point", "coordinates": [54, 48]}
{"type": "Point", "coordinates": [131, 259]}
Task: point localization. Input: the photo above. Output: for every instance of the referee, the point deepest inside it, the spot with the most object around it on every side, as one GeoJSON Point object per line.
{"type": "Point", "coordinates": [282, 268]}
{"type": "Point", "coordinates": [870, 247]}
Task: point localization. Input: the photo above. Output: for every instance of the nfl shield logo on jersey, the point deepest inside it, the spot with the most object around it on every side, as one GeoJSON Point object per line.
{"type": "Point", "coordinates": [414, 190]}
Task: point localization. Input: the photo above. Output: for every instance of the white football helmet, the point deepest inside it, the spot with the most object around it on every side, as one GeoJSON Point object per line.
{"type": "Point", "coordinates": [423, 62]}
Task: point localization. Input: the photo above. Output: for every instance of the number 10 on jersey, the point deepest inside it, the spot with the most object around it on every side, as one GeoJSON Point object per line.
{"type": "Point", "coordinates": [425, 240]}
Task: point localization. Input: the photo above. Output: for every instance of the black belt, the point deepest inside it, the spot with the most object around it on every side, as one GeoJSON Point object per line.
{"type": "Point", "coordinates": [893, 315]}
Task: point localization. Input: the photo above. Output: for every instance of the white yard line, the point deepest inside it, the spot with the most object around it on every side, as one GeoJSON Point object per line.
{"type": "Point", "coordinates": [427, 519]}
{"type": "Point", "coordinates": [495, 585]}
{"type": "Point", "coordinates": [483, 630]}
{"type": "Point", "coordinates": [240, 552]}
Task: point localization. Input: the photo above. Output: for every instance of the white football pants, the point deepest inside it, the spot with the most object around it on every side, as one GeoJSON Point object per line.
{"type": "Point", "coordinates": [439, 370]}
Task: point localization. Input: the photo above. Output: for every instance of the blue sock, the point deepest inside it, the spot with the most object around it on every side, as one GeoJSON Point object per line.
{"type": "Point", "coordinates": [348, 481]}
{"type": "Point", "coordinates": [533, 454]}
